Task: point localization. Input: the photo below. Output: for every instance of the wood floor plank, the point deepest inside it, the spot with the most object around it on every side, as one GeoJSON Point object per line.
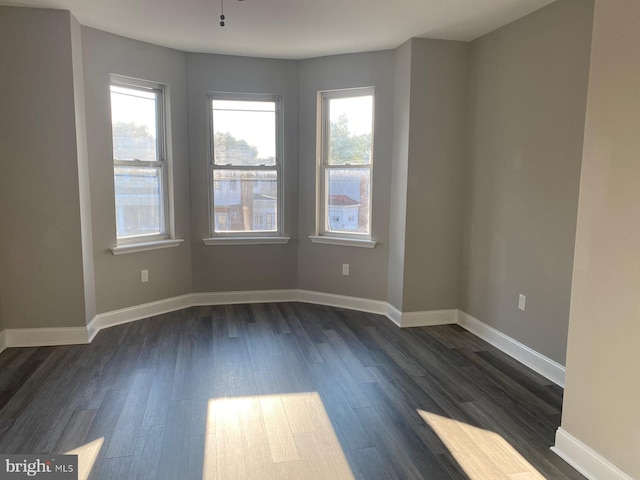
{"type": "Point", "coordinates": [367, 463]}
{"type": "Point", "coordinates": [148, 449]}
{"type": "Point", "coordinates": [113, 469]}
{"type": "Point", "coordinates": [355, 367]}
{"type": "Point", "coordinates": [389, 444]}
{"type": "Point", "coordinates": [175, 446]}
{"type": "Point", "coordinates": [75, 431]}
{"type": "Point", "coordinates": [345, 421]}
{"type": "Point", "coordinates": [281, 441]}
{"type": "Point", "coordinates": [125, 434]}
{"type": "Point", "coordinates": [393, 403]}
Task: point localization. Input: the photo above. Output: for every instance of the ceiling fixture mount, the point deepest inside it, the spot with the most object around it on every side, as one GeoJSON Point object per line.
{"type": "Point", "coordinates": [222, 17]}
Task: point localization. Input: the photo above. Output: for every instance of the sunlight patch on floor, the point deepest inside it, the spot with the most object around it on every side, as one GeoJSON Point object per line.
{"type": "Point", "coordinates": [286, 436]}
{"type": "Point", "coordinates": [87, 455]}
{"type": "Point", "coordinates": [482, 454]}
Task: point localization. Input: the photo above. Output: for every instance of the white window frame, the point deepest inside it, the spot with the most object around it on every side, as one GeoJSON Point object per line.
{"type": "Point", "coordinates": [324, 234]}
{"type": "Point", "coordinates": [127, 244]}
{"type": "Point", "coordinates": [247, 237]}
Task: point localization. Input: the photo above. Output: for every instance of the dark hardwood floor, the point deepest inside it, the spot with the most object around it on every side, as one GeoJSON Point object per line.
{"type": "Point", "coordinates": [277, 391]}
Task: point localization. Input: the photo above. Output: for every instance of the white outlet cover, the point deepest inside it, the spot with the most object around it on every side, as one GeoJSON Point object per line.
{"type": "Point", "coordinates": [522, 302]}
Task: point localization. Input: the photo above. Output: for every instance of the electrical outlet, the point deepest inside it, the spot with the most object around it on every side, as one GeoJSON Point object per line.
{"type": "Point", "coordinates": [522, 301]}
{"type": "Point", "coordinates": [345, 269]}
{"type": "Point", "coordinates": [144, 276]}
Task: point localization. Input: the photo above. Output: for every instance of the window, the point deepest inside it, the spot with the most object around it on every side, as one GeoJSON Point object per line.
{"type": "Point", "coordinates": [139, 160]}
{"type": "Point", "coordinates": [246, 165]}
{"type": "Point", "coordinates": [346, 162]}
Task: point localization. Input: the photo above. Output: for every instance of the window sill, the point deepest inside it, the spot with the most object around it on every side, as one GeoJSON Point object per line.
{"type": "Point", "coordinates": [245, 240]}
{"type": "Point", "coordinates": [143, 247]}
{"type": "Point", "coordinates": [345, 242]}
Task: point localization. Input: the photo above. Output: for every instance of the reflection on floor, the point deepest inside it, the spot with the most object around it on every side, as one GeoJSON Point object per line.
{"type": "Point", "coordinates": [481, 454]}
{"type": "Point", "coordinates": [87, 456]}
{"type": "Point", "coordinates": [274, 437]}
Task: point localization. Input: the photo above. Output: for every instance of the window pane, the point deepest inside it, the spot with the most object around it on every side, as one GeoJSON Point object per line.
{"type": "Point", "coordinates": [348, 198]}
{"type": "Point", "coordinates": [244, 132]}
{"type": "Point", "coordinates": [138, 201]}
{"type": "Point", "coordinates": [350, 126]}
{"type": "Point", "coordinates": [245, 201]}
{"type": "Point", "coordinates": [134, 123]}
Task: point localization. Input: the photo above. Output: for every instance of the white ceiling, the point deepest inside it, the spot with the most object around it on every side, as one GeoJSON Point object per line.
{"type": "Point", "coordinates": [291, 28]}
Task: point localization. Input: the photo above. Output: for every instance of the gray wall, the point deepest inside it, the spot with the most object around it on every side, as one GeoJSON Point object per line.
{"type": "Point", "coordinates": [528, 87]}
{"type": "Point", "coordinates": [602, 394]}
{"type": "Point", "coordinates": [437, 123]}
{"type": "Point", "coordinates": [41, 254]}
{"type": "Point", "coordinates": [399, 172]}
{"type": "Point", "coordinates": [117, 278]}
{"type": "Point", "coordinates": [1, 315]}
{"type": "Point", "coordinates": [222, 268]}
{"type": "Point", "coordinates": [320, 266]}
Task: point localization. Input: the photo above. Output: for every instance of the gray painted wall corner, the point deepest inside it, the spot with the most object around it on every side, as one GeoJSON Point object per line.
{"type": "Point", "coordinates": [528, 100]}
{"type": "Point", "coordinates": [255, 267]}
{"type": "Point", "coordinates": [437, 129]}
{"type": "Point", "coordinates": [118, 277]}
{"type": "Point", "coordinates": [319, 266]}
{"type": "Point", "coordinates": [84, 190]}
{"type": "Point", "coordinates": [399, 173]}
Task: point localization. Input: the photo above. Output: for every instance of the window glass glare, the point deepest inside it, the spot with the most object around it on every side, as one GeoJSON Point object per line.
{"type": "Point", "coordinates": [244, 132]}
{"type": "Point", "coordinates": [350, 127]}
{"type": "Point", "coordinates": [134, 115]}
{"type": "Point", "coordinates": [245, 200]}
{"type": "Point", "coordinates": [138, 200]}
{"type": "Point", "coordinates": [348, 199]}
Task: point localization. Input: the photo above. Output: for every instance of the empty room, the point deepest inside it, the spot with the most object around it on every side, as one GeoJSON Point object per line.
{"type": "Point", "coordinates": [320, 240]}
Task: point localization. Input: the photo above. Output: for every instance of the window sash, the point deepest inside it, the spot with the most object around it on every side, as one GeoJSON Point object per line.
{"type": "Point", "coordinates": [324, 165]}
{"type": "Point", "coordinates": [162, 194]}
{"type": "Point", "coordinates": [160, 118]}
{"type": "Point", "coordinates": [246, 233]}
{"type": "Point", "coordinates": [161, 163]}
{"type": "Point", "coordinates": [277, 167]}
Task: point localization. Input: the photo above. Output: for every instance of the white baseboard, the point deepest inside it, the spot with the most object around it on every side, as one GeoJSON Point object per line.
{"type": "Point", "coordinates": [429, 318]}
{"type": "Point", "coordinates": [342, 301]}
{"type": "Point", "coordinates": [394, 315]}
{"type": "Point", "coordinates": [584, 459]}
{"type": "Point", "coordinates": [3, 341]}
{"type": "Point", "coordinates": [532, 359]}
{"type": "Point", "coordinates": [138, 312]}
{"type": "Point", "coordinates": [38, 337]}
{"type": "Point", "coordinates": [253, 296]}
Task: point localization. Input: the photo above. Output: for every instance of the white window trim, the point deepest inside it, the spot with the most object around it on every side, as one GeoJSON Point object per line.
{"type": "Point", "coordinates": [323, 235]}
{"type": "Point", "coordinates": [166, 238]}
{"type": "Point", "coordinates": [236, 240]}
{"type": "Point", "coordinates": [344, 242]}
{"type": "Point", "coordinates": [247, 238]}
{"type": "Point", "coordinates": [143, 247]}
